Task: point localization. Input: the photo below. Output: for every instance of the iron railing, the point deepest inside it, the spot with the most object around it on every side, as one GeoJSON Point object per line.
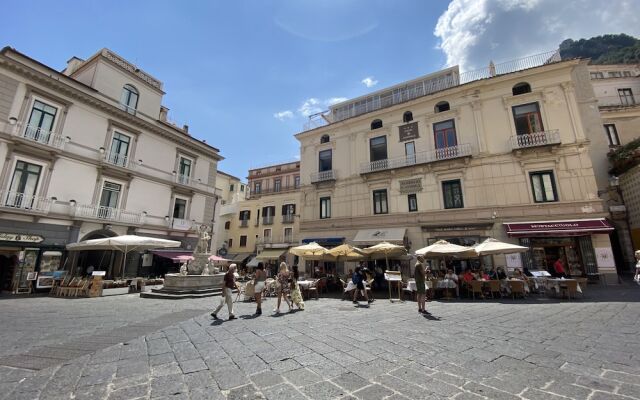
{"type": "Point", "coordinates": [120, 160]}
{"type": "Point", "coordinates": [446, 153]}
{"type": "Point", "coordinates": [288, 219]}
{"type": "Point", "coordinates": [180, 224]}
{"type": "Point", "coordinates": [268, 191]}
{"type": "Point", "coordinates": [535, 139]}
{"type": "Point", "coordinates": [324, 176]}
{"type": "Point", "coordinates": [244, 223]}
{"type": "Point", "coordinates": [43, 136]}
{"type": "Point", "coordinates": [268, 220]}
{"type": "Point", "coordinates": [95, 211]}
{"type": "Point", "coordinates": [286, 239]}
{"type": "Point", "coordinates": [22, 201]}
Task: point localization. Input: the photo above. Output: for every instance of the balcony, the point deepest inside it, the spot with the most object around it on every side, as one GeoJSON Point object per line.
{"type": "Point", "coordinates": [619, 101]}
{"type": "Point", "coordinates": [43, 136]}
{"type": "Point", "coordinates": [268, 220]}
{"type": "Point", "coordinates": [269, 191]}
{"type": "Point", "coordinates": [286, 239]}
{"type": "Point", "coordinates": [180, 224]}
{"type": "Point", "coordinates": [535, 139]}
{"type": "Point", "coordinates": [20, 201]}
{"type": "Point", "coordinates": [119, 160]}
{"type": "Point", "coordinates": [94, 211]}
{"type": "Point", "coordinates": [288, 219]}
{"type": "Point", "coordinates": [324, 176]}
{"type": "Point", "coordinates": [244, 223]}
{"type": "Point", "coordinates": [446, 153]}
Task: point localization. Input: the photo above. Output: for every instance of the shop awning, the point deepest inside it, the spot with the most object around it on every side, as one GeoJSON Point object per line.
{"type": "Point", "coordinates": [271, 254]}
{"type": "Point", "coordinates": [380, 235]}
{"type": "Point", "coordinates": [238, 258]}
{"type": "Point", "coordinates": [572, 227]}
{"type": "Point", "coordinates": [253, 263]}
{"type": "Point", "coordinates": [171, 254]}
{"type": "Point", "coordinates": [326, 241]}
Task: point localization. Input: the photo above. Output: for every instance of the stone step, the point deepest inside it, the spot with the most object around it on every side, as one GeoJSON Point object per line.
{"type": "Point", "coordinates": [186, 291]}
{"type": "Point", "coordinates": [174, 296]}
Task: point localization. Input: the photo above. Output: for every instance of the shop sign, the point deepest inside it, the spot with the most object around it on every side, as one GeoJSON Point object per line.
{"type": "Point", "coordinates": [408, 131]}
{"type": "Point", "coordinates": [411, 186]}
{"type": "Point", "coordinates": [20, 237]}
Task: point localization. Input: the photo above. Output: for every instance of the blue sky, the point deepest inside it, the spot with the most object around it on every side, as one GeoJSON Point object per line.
{"type": "Point", "coordinates": [240, 73]}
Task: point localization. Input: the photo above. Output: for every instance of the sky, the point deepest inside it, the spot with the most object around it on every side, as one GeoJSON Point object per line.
{"type": "Point", "coordinates": [245, 74]}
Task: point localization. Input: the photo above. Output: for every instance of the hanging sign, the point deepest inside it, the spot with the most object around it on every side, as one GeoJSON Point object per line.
{"type": "Point", "coordinates": [20, 237]}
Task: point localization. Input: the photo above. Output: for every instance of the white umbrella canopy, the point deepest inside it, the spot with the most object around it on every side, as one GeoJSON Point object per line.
{"type": "Point", "coordinates": [387, 249]}
{"type": "Point", "coordinates": [493, 246]}
{"type": "Point", "coordinates": [312, 249]}
{"type": "Point", "coordinates": [442, 248]}
{"type": "Point", "coordinates": [346, 252]}
{"type": "Point", "coordinates": [125, 244]}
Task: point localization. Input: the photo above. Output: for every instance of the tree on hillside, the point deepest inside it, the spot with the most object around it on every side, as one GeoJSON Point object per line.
{"type": "Point", "coordinates": [605, 49]}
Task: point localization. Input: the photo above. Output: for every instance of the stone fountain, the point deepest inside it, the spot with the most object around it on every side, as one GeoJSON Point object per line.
{"type": "Point", "coordinates": [194, 279]}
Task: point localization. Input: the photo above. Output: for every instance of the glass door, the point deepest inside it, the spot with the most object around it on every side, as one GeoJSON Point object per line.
{"type": "Point", "coordinates": [410, 152]}
{"type": "Point", "coordinates": [119, 149]}
{"type": "Point", "coordinates": [109, 200]}
{"type": "Point", "coordinates": [23, 185]}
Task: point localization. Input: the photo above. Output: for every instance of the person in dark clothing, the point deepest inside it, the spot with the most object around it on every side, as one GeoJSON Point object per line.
{"type": "Point", "coordinates": [358, 280]}
{"type": "Point", "coordinates": [227, 292]}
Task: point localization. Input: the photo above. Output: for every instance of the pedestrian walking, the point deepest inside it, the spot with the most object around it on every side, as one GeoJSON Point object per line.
{"type": "Point", "coordinates": [358, 280]}
{"type": "Point", "coordinates": [421, 291]}
{"type": "Point", "coordinates": [227, 292]}
{"type": "Point", "coordinates": [284, 287]}
{"type": "Point", "coordinates": [296, 296]}
{"type": "Point", "coordinates": [258, 280]}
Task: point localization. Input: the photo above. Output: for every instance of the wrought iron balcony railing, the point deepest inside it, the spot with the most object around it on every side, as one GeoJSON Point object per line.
{"type": "Point", "coordinates": [21, 201]}
{"type": "Point", "coordinates": [95, 211]}
{"type": "Point", "coordinates": [446, 153]}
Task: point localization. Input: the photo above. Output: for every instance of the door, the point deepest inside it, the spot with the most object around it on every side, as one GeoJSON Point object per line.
{"type": "Point", "coordinates": [410, 152]}
{"type": "Point", "coordinates": [109, 200]}
{"type": "Point", "coordinates": [23, 185]}
{"type": "Point", "coordinates": [119, 149]}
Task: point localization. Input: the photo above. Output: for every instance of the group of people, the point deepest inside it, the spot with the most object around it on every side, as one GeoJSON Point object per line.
{"type": "Point", "coordinates": [286, 282]}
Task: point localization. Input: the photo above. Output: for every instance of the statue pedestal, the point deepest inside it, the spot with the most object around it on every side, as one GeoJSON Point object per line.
{"type": "Point", "coordinates": [197, 266]}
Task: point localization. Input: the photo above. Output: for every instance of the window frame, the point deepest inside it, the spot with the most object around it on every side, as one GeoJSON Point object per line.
{"type": "Point", "coordinates": [186, 207]}
{"type": "Point", "coordinates": [241, 244]}
{"type": "Point", "coordinates": [412, 197]}
{"type": "Point", "coordinates": [438, 105]}
{"type": "Point", "coordinates": [20, 195]}
{"type": "Point", "coordinates": [609, 130]}
{"type": "Point", "coordinates": [537, 113]}
{"type": "Point", "coordinates": [386, 148]}
{"type": "Point", "coordinates": [320, 159]}
{"type": "Point", "coordinates": [544, 194]}
{"type": "Point", "coordinates": [445, 185]}
{"type": "Point", "coordinates": [296, 182]}
{"type": "Point", "coordinates": [277, 184]}
{"type": "Point", "coordinates": [129, 89]}
{"type": "Point", "coordinates": [446, 133]}
{"type": "Point", "coordinates": [626, 94]}
{"type": "Point", "coordinates": [380, 202]}
{"type": "Point", "coordinates": [376, 124]}
{"type": "Point", "coordinates": [407, 117]}
{"type": "Point", "coordinates": [182, 178]}
{"type": "Point", "coordinates": [326, 201]}
{"type": "Point", "coordinates": [230, 242]}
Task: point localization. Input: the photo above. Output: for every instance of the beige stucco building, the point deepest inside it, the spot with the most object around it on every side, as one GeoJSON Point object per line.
{"type": "Point", "coordinates": [231, 191]}
{"type": "Point", "coordinates": [267, 223]}
{"type": "Point", "coordinates": [89, 152]}
{"type": "Point", "coordinates": [514, 152]}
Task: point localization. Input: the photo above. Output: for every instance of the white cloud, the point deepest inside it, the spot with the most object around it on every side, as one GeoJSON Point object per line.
{"type": "Point", "coordinates": [282, 115]}
{"type": "Point", "coordinates": [369, 81]}
{"type": "Point", "coordinates": [473, 32]}
{"type": "Point", "coordinates": [313, 105]}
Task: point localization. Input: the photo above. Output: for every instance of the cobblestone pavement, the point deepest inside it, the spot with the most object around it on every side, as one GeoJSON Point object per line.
{"type": "Point", "coordinates": [534, 349]}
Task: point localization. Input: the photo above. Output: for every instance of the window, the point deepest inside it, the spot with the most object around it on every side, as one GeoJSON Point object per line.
{"type": "Point", "coordinates": [597, 75]}
{"type": "Point", "coordinates": [243, 241]}
{"type": "Point", "coordinates": [245, 215]}
{"type": "Point", "coordinates": [325, 207]}
{"type": "Point", "coordinates": [231, 187]}
{"type": "Point", "coordinates": [277, 184]}
{"type": "Point", "coordinates": [376, 124]}
{"type": "Point", "coordinates": [325, 160]}
{"type": "Point", "coordinates": [413, 202]}
{"type": "Point", "coordinates": [288, 209]}
{"type": "Point", "coordinates": [267, 233]}
{"type": "Point", "coordinates": [452, 193]}
{"type": "Point", "coordinates": [184, 170]}
{"type": "Point", "coordinates": [324, 139]}
{"type": "Point", "coordinates": [288, 235]}
{"type": "Point", "coordinates": [380, 205]}
{"type": "Point", "coordinates": [180, 209]}
{"type": "Point", "coordinates": [378, 148]}
{"type": "Point", "coordinates": [109, 200]}
{"type": "Point", "coordinates": [227, 225]}
{"type": "Point", "coordinates": [268, 214]}
{"type": "Point", "coordinates": [544, 187]}
{"type": "Point", "coordinates": [23, 185]}
{"type": "Point", "coordinates": [296, 181]}
{"type": "Point", "coordinates": [445, 134]}
{"type": "Point", "coordinates": [612, 134]}
{"type": "Point", "coordinates": [129, 99]}
{"type": "Point", "coordinates": [410, 152]}
{"type": "Point", "coordinates": [407, 116]}
{"type": "Point", "coordinates": [257, 187]}
{"type": "Point", "coordinates": [40, 122]}
{"type": "Point", "coordinates": [119, 149]}
{"type": "Point", "coordinates": [521, 88]}
{"type": "Point", "coordinates": [230, 242]}
{"type": "Point", "coordinates": [614, 74]}
{"type": "Point", "coordinates": [442, 106]}
{"type": "Point", "coordinates": [242, 188]}
{"type": "Point", "coordinates": [626, 97]}
{"type": "Point", "coordinates": [527, 119]}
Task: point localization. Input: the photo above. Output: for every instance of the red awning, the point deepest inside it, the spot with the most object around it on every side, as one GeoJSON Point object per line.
{"type": "Point", "coordinates": [172, 254]}
{"type": "Point", "coordinates": [573, 227]}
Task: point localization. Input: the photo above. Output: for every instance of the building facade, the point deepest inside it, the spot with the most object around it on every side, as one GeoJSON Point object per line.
{"type": "Point", "coordinates": [514, 152]}
{"type": "Point", "coordinates": [88, 153]}
{"type": "Point", "coordinates": [231, 191]}
{"type": "Point", "coordinates": [266, 225]}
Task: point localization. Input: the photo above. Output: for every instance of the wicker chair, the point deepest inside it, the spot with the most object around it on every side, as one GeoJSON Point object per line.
{"type": "Point", "coordinates": [494, 287]}
{"type": "Point", "coordinates": [474, 287]}
{"type": "Point", "coordinates": [517, 288]}
{"type": "Point", "coordinates": [570, 288]}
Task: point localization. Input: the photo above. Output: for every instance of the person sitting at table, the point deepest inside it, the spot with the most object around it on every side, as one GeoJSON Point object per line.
{"type": "Point", "coordinates": [481, 275]}
{"type": "Point", "coordinates": [558, 268]}
{"type": "Point", "coordinates": [493, 274]}
{"type": "Point", "coordinates": [450, 276]}
{"type": "Point", "coordinates": [501, 274]}
{"type": "Point", "coordinates": [467, 276]}
{"type": "Point", "coordinates": [358, 280]}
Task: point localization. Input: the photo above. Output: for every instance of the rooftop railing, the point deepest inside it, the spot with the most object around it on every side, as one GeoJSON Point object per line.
{"type": "Point", "coordinates": [446, 153]}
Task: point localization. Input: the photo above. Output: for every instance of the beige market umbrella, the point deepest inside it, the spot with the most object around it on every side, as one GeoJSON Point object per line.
{"type": "Point", "coordinates": [310, 251]}
{"type": "Point", "coordinates": [346, 252]}
{"type": "Point", "coordinates": [442, 248]}
{"type": "Point", "coordinates": [387, 249]}
{"type": "Point", "coordinates": [493, 246]}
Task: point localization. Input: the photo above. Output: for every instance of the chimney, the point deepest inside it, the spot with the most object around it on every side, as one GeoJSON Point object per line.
{"type": "Point", "coordinates": [185, 128]}
{"type": "Point", "coordinates": [72, 65]}
{"type": "Point", "coordinates": [164, 113]}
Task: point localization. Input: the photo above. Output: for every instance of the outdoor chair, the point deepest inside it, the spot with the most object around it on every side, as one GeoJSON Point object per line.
{"type": "Point", "coordinates": [345, 295]}
{"type": "Point", "coordinates": [570, 288]}
{"type": "Point", "coordinates": [474, 287]}
{"type": "Point", "coordinates": [517, 288]}
{"type": "Point", "coordinates": [313, 288]}
{"type": "Point", "coordinates": [494, 287]}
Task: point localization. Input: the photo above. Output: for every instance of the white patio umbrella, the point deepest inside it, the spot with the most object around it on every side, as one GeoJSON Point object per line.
{"type": "Point", "coordinates": [387, 249]}
{"type": "Point", "coordinates": [346, 252]}
{"type": "Point", "coordinates": [442, 248]}
{"type": "Point", "coordinates": [311, 251]}
{"type": "Point", "coordinates": [493, 246]}
{"type": "Point", "coordinates": [125, 244]}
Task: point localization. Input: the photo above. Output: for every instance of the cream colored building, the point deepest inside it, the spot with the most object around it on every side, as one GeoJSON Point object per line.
{"type": "Point", "coordinates": [515, 152]}
{"type": "Point", "coordinates": [267, 224]}
{"type": "Point", "coordinates": [89, 152]}
{"type": "Point", "coordinates": [231, 191]}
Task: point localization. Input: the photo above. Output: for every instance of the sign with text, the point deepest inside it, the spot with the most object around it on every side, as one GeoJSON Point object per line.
{"type": "Point", "coordinates": [20, 237]}
{"type": "Point", "coordinates": [411, 186]}
{"type": "Point", "coordinates": [408, 131]}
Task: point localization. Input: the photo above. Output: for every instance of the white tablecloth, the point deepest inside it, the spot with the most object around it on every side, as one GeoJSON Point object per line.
{"type": "Point", "coordinates": [411, 285]}
{"type": "Point", "coordinates": [447, 284]}
{"type": "Point", "coordinates": [304, 284]}
{"type": "Point", "coordinates": [555, 284]}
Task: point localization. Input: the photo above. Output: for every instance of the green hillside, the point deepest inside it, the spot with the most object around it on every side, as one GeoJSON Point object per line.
{"type": "Point", "coordinates": [605, 49]}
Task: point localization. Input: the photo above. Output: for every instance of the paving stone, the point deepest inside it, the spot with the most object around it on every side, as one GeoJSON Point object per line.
{"type": "Point", "coordinates": [486, 391]}
{"type": "Point", "coordinates": [350, 381]}
{"type": "Point", "coordinates": [282, 392]}
{"type": "Point", "coordinates": [206, 393]}
{"type": "Point", "coordinates": [199, 379]}
{"type": "Point", "coordinates": [607, 396]}
{"type": "Point", "coordinates": [249, 392]}
{"type": "Point", "coordinates": [131, 392]}
{"type": "Point", "coordinates": [194, 365]}
{"type": "Point", "coordinates": [372, 392]}
{"type": "Point", "coordinates": [266, 379]}
{"type": "Point", "coordinates": [168, 385]}
{"type": "Point", "coordinates": [302, 377]}
{"type": "Point", "coordinates": [229, 378]}
{"type": "Point", "coordinates": [284, 365]}
{"type": "Point", "coordinates": [630, 390]}
{"type": "Point", "coordinates": [323, 390]}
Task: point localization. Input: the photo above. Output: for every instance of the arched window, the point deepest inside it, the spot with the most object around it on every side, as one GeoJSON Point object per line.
{"type": "Point", "coordinates": [129, 99]}
{"type": "Point", "coordinates": [442, 106]}
{"type": "Point", "coordinates": [407, 116]}
{"type": "Point", "coordinates": [376, 124]}
{"type": "Point", "coordinates": [521, 88]}
{"type": "Point", "coordinates": [324, 139]}
{"type": "Point", "coordinates": [227, 225]}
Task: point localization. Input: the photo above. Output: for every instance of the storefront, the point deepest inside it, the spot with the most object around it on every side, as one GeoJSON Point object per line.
{"type": "Point", "coordinates": [583, 245]}
{"type": "Point", "coordinates": [316, 268]}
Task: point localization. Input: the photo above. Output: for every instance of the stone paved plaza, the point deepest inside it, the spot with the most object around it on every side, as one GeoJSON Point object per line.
{"type": "Point", "coordinates": [125, 347]}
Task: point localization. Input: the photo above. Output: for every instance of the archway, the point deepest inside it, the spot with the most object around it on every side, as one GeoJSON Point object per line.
{"type": "Point", "coordinates": [100, 260]}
